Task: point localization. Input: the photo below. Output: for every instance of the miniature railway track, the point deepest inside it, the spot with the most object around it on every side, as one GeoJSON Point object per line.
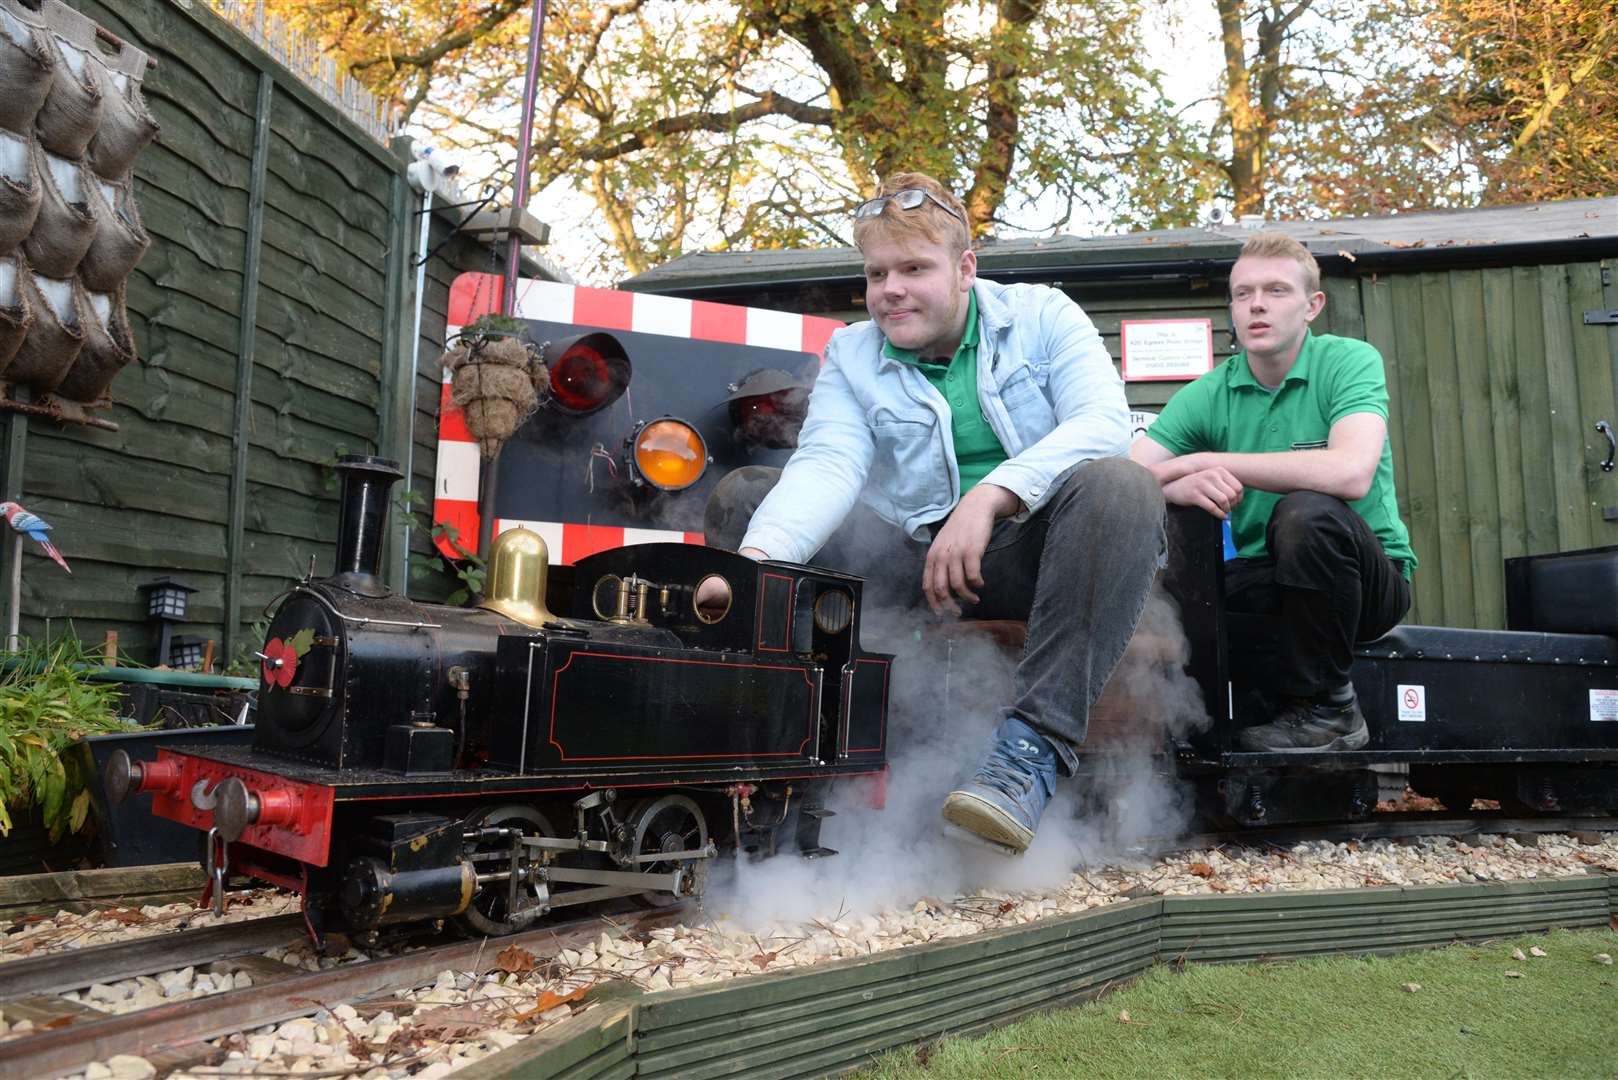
{"type": "Point", "coordinates": [1394, 826]}
{"type": "Point", "coordinates": [174, 1031]}
{"type": "Point", "coordinates": [58, 971]}
{"type": "Point", "coordinates": [1384, 826]}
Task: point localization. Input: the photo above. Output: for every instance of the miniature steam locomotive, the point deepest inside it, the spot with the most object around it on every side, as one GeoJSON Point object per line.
{"type": "Point", "coordinates": [416, 761]}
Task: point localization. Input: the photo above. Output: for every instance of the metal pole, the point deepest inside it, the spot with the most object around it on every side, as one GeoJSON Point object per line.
{"type": "Point", "coordinates": [410, 384]}
{"type": "Point", "coordinates": [508, 295]}
{"type": "Point", "coordinates": [15, 611]}
{"type": "Point", "coordinates": [16, 442]}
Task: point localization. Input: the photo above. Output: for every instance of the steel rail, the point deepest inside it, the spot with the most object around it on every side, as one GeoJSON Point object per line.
{"type": "Point", "coordinates": [1394, 826]}
{"type": "Point", "coordinates": [54, 972]}
{"type": "Point", "coordinates": [74, 1046]}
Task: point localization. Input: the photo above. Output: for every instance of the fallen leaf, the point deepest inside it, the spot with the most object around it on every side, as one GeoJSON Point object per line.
{"type": "Point", "coordinates": [1603, 958]}
{"type": "Point", "coordinates": [1513, 974]}
{"type": "Point", "coordinates": [402, 1042]}
{"type": "Point", "coordinates": [764, 959]}
{"type": "Point", "coordinates": [1202, 870]}
{"type": "Point", "coordinates": [549, 1000]}
{"type": "Point", "coordinates": [1218, 886]}
{"type": "Point", "coordinates": [1123, 1014]}
{"type": "Point", "coordinates": [1535, 950]}
{"type": "Point", "coordinates": [515, 960]}
{"type": "Point", "coordinates": [1258, 879]}
{"type": "Point", "coordinates": [1410, 988]}
{"type": "Point", "coordinates": [1518, 954]}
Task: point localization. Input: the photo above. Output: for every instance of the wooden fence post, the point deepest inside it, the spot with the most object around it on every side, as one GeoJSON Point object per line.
{"type": "Point", "coordinates": [245, 343]}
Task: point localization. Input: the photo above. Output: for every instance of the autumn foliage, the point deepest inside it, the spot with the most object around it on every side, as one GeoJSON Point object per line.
{"type": "Point", "coordinates": [697, 124]}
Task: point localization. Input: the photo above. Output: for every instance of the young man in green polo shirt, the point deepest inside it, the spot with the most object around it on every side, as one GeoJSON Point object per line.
{"type": "Point", "coordinates": [1288, 440]}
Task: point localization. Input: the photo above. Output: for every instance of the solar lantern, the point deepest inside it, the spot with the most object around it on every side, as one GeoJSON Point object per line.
{"type": "Point", "coordinates": [587, 373]}
{"type": "Point", "coordinates": [767, 408]}
{"type": "Point", "coordinates": [186, 653]}
{"type": "Point", "coordinates": [667, 453]}
{"type": "Point", "coordinates": [166, 603]}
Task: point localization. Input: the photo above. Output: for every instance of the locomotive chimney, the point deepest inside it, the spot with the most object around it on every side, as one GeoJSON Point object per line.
{"type": "Point", "coordinates": [362, 517]}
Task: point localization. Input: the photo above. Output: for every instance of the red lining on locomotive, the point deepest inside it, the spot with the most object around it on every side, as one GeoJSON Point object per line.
{"type": "Point", "coordinates": [556, 677]}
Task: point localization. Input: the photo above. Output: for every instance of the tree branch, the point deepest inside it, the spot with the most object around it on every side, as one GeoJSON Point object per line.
{"type": "Point", "coordinates": [770, 104]}
{"type": "Point", "coordinates": [425, 58]}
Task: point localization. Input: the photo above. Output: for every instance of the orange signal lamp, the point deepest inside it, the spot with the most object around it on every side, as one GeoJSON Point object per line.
{"type": "Point", "coordinates": [667, 453]}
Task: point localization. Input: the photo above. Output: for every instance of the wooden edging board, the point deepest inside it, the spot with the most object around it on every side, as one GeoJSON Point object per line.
{"type": "Point", "coordinates": [838, 1016]}
{"type": "Point", "coordinates": [86, 890]}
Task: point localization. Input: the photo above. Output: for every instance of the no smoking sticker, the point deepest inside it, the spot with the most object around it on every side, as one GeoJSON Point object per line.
{"type": "Point", "coordinates": [1412, 704]}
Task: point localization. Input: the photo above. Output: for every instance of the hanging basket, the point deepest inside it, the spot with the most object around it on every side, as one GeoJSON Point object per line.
{"type": "Point", "coordinates": [66, 225]}
{"type": "Point", "coordinates": [119, 241]}
{"type": "Point", "coordinates": [26, 73]}
{"type": "Point", "coordinates": [71, 113]}
{"type": "Point", "coordinates": [108, 346]}
{"type": "Point", "coordinates": [17, 297]}
{"type": "Point", "coordinates": [20, 189]}
{"type": "Point", "coordinates": [493, 381]}
{"type": "Point", "coordinates": [61, 314]}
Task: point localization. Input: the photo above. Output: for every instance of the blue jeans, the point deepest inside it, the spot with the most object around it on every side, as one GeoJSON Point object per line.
{"type": "Point", "coordinates": [1078, 571]}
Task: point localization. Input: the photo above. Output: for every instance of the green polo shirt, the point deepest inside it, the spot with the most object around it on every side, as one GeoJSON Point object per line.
{"type": "Point", "coordinates": [977, 448]}
{"type": "Point", "coordinates": [1229, 411]}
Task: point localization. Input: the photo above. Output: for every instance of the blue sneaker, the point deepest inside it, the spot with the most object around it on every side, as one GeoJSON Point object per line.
{"type": "Point", "coordinates": [1004, 799]}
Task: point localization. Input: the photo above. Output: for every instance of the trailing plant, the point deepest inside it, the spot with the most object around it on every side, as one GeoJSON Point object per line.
{"type": "Point", "coordinates": [47, 701]}
{"type": "Point", "coordinates": [469, 569]}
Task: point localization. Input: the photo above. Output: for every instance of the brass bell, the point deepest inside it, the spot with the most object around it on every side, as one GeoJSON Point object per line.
{"type": "Point", "coordinates": [519, 562]}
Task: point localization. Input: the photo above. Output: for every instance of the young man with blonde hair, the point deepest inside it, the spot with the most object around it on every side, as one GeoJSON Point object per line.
{"type": "Point", "coordinates": [1288, 439]}
{"type": "Point", "coordinates": [966, 446]}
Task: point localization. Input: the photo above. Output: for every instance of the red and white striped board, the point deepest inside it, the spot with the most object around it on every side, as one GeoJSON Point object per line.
{"type": "Point", "coordinates": [475, 294]}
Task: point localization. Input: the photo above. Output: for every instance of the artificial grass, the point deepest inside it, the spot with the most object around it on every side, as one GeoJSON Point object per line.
{"type": "Point", "coordinates": [1331, 1017]}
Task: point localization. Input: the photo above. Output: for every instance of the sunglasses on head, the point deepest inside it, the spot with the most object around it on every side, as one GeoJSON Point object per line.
{"type": "Point", "coordinates": [905, 199]}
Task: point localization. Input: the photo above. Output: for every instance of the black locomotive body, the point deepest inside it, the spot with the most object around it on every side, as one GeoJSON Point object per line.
{"type": "Point", "coordinates": [1526, 716]}
{"type": "Point", "coordinates": [556, 745]}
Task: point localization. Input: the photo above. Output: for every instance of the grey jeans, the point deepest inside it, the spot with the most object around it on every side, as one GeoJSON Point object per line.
{"type": "Point", "coordinates": [1079, 571]}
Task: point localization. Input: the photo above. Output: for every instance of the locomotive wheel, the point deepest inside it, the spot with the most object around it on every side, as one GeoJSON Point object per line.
{"type": "Point", "coordinates": [487, 915]}
{"type": "Point", "coordinates": [672, 823]}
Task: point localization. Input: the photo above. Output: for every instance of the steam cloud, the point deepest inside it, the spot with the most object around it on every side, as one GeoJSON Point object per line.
{"type": "Point", "coordinates": [945, 700]}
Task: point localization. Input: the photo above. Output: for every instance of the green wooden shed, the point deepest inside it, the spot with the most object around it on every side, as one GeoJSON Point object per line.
{"type": "Point", "coordinates": [1499, 328]}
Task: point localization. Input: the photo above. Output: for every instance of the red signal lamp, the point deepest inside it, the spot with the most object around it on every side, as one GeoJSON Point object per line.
{"type": "Point", "coordinates": [767, 408]}
{"type": "Point", "coordinates": [668, 454]}
{"type": "Point", "coordinates": [588, 372]}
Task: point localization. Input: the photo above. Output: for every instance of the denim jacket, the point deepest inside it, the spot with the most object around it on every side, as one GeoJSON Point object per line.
{"type": "Point", "coordinates": [877, 429]}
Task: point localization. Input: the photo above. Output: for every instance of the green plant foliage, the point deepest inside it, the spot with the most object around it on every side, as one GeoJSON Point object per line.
{"type": "Point", "coordinates": [46, 704]}
{"type": "Point", "coordinates": [245, 662]}
{"type": "Point", "coordinates": [470, 569]}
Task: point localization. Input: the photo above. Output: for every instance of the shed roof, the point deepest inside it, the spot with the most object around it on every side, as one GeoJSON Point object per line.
{"type": "Point", "coordinates": [1531, 232]}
